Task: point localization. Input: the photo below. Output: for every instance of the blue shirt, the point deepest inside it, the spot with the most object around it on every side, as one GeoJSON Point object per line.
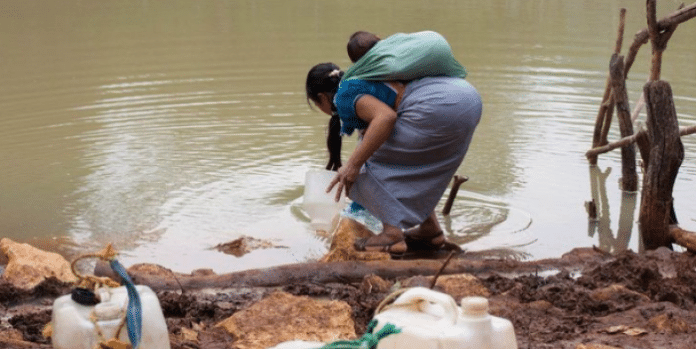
{"type": "Point", "coordinates": [349, 91]}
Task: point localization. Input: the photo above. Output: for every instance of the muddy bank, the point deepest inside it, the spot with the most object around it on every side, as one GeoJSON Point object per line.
{"type": "Point", "coordinates": [623, 301]}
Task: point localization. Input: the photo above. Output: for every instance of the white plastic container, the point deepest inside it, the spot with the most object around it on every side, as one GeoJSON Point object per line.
{"type": "Point", "coordinates": [74, 329]}
{"type": "Point", "coordinates": [322, 208]}
{"type": "Point", "coordinates": [492, 331]}
{"type": "Point", "coordinates": [299, 345]}
{"type": "Point", "coordinates": [432, 320]}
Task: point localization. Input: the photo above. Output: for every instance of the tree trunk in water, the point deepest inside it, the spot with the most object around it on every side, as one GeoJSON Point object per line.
{"type": "Point", "coordinates": [629, 177]}
{"type": "Point", "coordinates": [666, 155]}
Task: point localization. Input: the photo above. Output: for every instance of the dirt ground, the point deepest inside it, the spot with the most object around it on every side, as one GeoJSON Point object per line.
{"type": "Point", "coordinates": [625, 301]}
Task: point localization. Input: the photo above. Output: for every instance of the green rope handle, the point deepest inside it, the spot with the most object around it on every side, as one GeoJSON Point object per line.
{"type": "Point", "coordinates": [368, 341]}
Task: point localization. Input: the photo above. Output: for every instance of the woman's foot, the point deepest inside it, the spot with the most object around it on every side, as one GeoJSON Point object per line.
{"type": "Point", "coordinates": [417, 239]}
{"type": "Point", "coordinates": [428, 236]}
{"type": "Point", "coordinates": [390, 240]}
{"type": "Point", "coordinates": [391, 247]}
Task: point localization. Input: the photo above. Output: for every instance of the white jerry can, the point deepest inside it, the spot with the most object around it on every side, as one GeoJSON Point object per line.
{"type": "Point", "coordinates": [77, 326]}
{"type": "Point", "coordinates": [432, 320]}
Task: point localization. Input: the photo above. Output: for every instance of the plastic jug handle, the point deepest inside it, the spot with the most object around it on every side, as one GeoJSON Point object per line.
{"type": "Point", "coordinates": [419, 295]}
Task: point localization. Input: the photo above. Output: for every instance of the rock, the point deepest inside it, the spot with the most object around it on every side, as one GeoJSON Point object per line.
{"type": "Point", "coordinates": [374, 284]}
{"type": "Point", "coordinates": [540, 305]}
{"type": "Point", "coordinates": [299, 345]}
{"type": "Point", "coordinates": [141, 271]}
{"type": "Point", "coordinates": [244, 245]}
{"type": "Point", "coordinates": [12, 338]}
{"type": "Point", "coordinates": [616, 292]}
{"type": "Point", "coordinates": [631, 331]}
{"type": "Point", "coordinates": [461, 285]}
{"type": "Point", "coordinates": [594, 346]}
{"type": "Point", "coordinates": [344, 236]}
{"type": "Point", "coordinates": [584, 255]}
{"type": "Point", "coordinates": [458, 286]}
{"type": "Point", "coordinates": [203, 272]}
{"type": "Point", "coordinates": [189, 335]}
{"type": "Point", "coordinates": [282, 317]}
{"type": "Point", "coordinates": [27, 266]}
{"type": "Point", "coordinates": [150, 270]}
{"type": "Point", "coordinates": [11, 335]}
{"type": "Point", "coordinates": [669, 323]}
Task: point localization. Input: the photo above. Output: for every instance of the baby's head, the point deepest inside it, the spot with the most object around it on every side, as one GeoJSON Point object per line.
{"type": "Point", "coordinates": [359, 43]}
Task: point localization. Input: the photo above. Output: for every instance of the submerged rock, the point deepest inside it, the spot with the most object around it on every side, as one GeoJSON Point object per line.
{"type": "Point", "coordinates": [344, 236]}
{"type": "Point", "coordinates": [27, 266]}
{"type": "Point", "coordinates": [282, 317]}
{"type": "Point", "coordinates": [244, 245]}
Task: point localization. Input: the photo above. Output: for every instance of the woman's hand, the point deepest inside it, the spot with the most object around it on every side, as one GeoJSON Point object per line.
{"type": "Point", "coordinates": [381, 119]}
{"type": "Point", "coordinates": [344, 179]}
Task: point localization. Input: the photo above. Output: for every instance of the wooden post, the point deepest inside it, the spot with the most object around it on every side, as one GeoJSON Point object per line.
{"type": "Point", "coordinates": [661, 30]}
{"type": "Point", "coordinates": [604, 115]}
{"type": "Point", "coordinates": [629, 179]}
{"type": "Point", "coordinates": [456, 182]}
{"type": "Point", "coordinates": [666, 155]}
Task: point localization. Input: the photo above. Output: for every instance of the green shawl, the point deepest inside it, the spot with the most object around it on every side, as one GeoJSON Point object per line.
{"type": "Point", "coordinates": [407, 57]}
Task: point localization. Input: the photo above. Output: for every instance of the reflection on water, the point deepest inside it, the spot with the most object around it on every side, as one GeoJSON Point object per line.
{"type": "Point", "coordinates": [481, 225]}
{"type": "Point", "coordinates": [602, 224]}
{"type": "Point", "coordinates": [171, 127]}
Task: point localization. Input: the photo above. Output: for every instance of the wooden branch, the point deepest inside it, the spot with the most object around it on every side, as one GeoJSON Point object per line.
{"type": "Point", "coordinates": [629, 177]}
{"type": "Point", "coordinates": [319, 272]}
{"type": "Point", "coordinates": [609, 114]}
{"type": "Point", "coordinates": [603, 120]}
{"type": "Point", "coordinates": [683, 237]}
{"type": "Point", "coordinates": [620, 33]}
{"type": "Point", "coordinates": [638, 108]}
{"type": "Point", "coordinates": [457, 181]}
{"type": "Point", "coordinates": [611, 146]}
{"type": "Point", "coordinates": [642, 36]}
{"type": "Point", "coordinates": [683, 131]}
{"type": "Point", "coordinates": [659, 36]}
{"type": "Point", "coordinates": [651, 13]}
{"type": "Point", "coordinates": [159, 278]}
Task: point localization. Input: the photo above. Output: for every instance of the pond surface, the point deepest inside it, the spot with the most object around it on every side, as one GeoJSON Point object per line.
{"type": "Point", "coordinates": [170, 127]}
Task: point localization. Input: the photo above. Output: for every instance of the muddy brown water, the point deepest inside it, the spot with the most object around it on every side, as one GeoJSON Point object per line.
{"type": "Point", "coordinates": [169, 128]}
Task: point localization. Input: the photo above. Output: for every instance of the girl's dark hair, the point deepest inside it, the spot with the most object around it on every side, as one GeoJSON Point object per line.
{"type": "Point", "coordinates": [323, 78]}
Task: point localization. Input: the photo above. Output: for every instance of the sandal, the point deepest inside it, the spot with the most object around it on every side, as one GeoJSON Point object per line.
{"type": "Point", "coordinates": [393, 248]}
{"type": "Point", "coordinates": [425, 243]}
{"type": "Point", "coordinates": [430, 243]}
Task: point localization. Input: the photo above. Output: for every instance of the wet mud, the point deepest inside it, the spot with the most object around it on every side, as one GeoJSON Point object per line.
{"type": "Point", "coordinates": [625, 301]}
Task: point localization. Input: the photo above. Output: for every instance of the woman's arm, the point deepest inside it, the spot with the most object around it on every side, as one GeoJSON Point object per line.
{"type": "Point", "coordinates": [381, 119]}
